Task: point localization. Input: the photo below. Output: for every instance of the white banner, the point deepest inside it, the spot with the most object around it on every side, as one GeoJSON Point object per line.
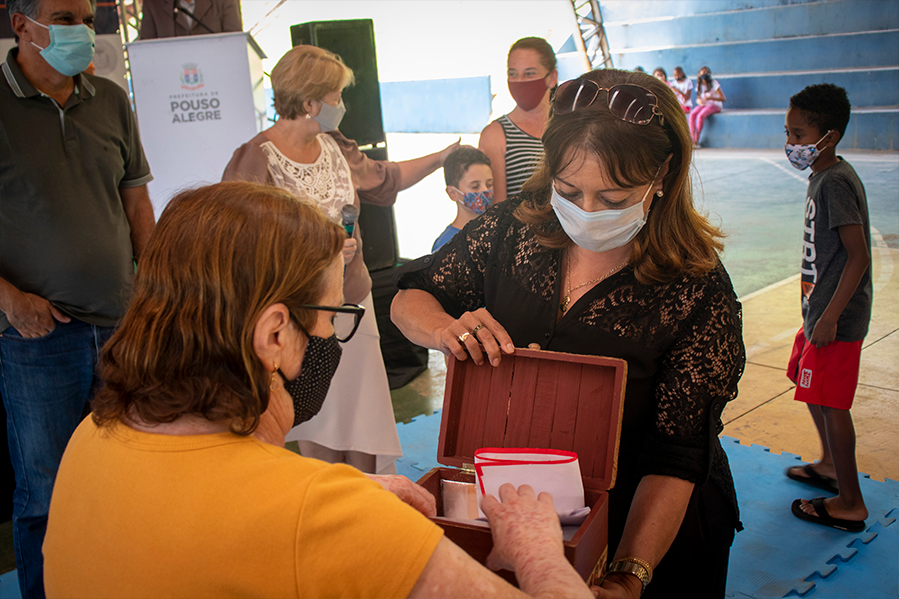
{"type": "Point", "coordinates": [197, 99]}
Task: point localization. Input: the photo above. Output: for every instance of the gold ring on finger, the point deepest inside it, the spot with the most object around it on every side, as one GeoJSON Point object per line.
{"type": "Point", "coordinates": [463, 337]}
{"type": "Point", "coordinates": [474, 331]}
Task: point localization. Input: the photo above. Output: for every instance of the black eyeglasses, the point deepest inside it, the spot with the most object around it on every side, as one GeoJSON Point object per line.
{"type": "Point", "coordinates": [346, 319]}
{"type": "Point", "coordinates": [630, 103]}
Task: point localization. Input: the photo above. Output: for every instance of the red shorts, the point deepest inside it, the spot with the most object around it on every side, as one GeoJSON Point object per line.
{"type": "Point", "coordinates": [827, 376]}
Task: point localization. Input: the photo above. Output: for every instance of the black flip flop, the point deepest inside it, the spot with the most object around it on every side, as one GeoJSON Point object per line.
{"type": "Point", "coordinates": [815, 479]}
{"type": "Point", "coordinates": [824, 518]}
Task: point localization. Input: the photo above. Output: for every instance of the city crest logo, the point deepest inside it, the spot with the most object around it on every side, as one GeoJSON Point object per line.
{"type": "Point", "coordinates": [191, 77]}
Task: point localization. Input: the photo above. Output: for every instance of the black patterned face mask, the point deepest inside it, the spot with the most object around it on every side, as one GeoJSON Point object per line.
{"type": "Point", "coordinates": [308, 390]}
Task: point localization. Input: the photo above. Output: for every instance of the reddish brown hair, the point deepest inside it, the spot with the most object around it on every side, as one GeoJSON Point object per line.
{"type": "Point", "coordinates": [219, 256]}
{"type": "Point", "coordinates": [676, 238]}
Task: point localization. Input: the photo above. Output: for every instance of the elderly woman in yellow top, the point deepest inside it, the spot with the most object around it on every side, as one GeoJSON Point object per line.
{"type": "Point", "coordinates": [178, 484]}
{"type": "Point", "coordinates": [304, 153]}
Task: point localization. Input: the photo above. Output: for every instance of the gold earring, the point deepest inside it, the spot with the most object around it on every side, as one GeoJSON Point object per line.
{"type": "Point", "coordinates": [272, 383]}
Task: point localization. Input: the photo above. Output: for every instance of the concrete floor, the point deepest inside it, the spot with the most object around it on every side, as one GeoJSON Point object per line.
{"type": "Point", "coordinates": [765, 412]}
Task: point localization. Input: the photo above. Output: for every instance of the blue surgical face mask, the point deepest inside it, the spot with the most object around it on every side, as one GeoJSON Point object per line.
{"type": "Point", "coordinates": [477, 201]}
{"type": "Point", "coordinates": [803, 156]}
{"type": "Point", "coordinates": [71, 47]}
{"type": "Point", "coordinates": [329, 117]}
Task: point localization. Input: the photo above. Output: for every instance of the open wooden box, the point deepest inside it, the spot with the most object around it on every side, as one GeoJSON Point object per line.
{"type": "Point", "coordinates": [536, 399]}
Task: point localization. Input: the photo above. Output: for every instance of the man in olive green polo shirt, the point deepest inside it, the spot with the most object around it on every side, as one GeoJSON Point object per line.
{"type": "Point", "coordinates": [74, 215]}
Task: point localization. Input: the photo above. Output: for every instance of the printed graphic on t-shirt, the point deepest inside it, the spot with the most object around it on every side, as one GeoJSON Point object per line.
{"type": "Point", "coordinates": [809, 269]}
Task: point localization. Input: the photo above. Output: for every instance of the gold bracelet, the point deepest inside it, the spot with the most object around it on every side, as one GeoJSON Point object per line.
{"type": "Point", "coordinates": [633, 565]}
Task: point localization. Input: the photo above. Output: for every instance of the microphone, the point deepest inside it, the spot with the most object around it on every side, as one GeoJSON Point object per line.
{"type": "Point", "coordinates": [349, 214]}
{"type": "Point", "coordinates": [177, 8]}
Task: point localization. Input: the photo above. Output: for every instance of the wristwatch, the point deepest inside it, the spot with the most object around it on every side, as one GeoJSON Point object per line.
{"type": "Point", "coordinates": [633, 565]}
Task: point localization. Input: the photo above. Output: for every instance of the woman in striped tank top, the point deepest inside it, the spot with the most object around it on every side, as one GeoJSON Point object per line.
{"type": "Point", "coordinates": [512, 142]}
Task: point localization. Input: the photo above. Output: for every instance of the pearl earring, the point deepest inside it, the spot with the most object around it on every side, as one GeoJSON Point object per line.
{"type": "Point", "coordinates": [660, 193]}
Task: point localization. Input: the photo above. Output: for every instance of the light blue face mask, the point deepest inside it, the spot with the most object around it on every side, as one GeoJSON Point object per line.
{"type": "Point", "coordinates": [71, 47]}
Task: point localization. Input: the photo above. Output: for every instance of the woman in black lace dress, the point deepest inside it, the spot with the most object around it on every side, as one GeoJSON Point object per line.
{"type": "Point", "coordinates": [604, 254]}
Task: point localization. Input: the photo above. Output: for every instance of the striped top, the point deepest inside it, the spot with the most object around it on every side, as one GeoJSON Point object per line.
{"type": "Point", "coordinates": [523, 154]}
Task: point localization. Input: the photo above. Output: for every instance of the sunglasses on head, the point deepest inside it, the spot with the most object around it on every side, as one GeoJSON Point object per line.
{"type": "Point", "coordinates": [630, 103]}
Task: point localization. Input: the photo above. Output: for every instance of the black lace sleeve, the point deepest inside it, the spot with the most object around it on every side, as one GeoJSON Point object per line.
{"type": "Point", "coordinates": [698, 376]}
{"type": "Point", "coordinates": [455, 273]}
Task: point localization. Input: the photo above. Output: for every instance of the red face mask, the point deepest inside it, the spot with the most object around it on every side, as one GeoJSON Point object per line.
{"type": "Point", "coordinates": [527, 94]}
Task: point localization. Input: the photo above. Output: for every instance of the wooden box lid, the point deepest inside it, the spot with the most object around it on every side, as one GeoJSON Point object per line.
{"type": "Point", "coordinates": [538, 399]}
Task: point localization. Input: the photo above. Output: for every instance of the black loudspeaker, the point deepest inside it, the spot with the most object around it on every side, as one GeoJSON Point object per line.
{"type": "Point", "coordinates": [354, 42]}
{"type": "Point", "coordinates": [403, 359]}
{"type": "Point", "coordinates": [378, 226]}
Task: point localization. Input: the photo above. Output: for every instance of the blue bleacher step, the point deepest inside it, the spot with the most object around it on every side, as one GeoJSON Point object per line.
{"type": "Point", "coordinates": [671, 29]}
{"type": "Point", "coordinates": [866, 86]}
{"type": "Point", "coordinates": [870, 128]}
{"type": "Point", "coordinates": [836, 51]}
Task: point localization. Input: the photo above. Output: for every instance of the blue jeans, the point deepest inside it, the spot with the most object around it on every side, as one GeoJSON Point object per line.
{"type": "Point", "coordinates": [45, 383]}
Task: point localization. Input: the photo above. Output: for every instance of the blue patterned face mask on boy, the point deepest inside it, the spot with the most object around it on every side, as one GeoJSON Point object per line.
{"type": "Point", "coordinates": [477, 201]}
{"type": "Point", "coordinates": [802, 156]}
{"type": "Point", "coordinates": [71, 47]}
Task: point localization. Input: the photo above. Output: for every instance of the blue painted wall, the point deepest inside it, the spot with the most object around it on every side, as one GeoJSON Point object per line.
{"type": "Point", "coordinates": [433, 106]}
{"type": "Point", "coordinates": [436, 106]}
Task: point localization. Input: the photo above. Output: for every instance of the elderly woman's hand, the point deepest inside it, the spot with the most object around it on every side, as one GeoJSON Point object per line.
{"type": "Point", "coordinates": [475, 334]}
{"type": "Point", "coordinates": [349, 250]}
{"type": "Point", "coordinates": [408, 492]}
{"type": "Point", "coordinates": [525, 528]}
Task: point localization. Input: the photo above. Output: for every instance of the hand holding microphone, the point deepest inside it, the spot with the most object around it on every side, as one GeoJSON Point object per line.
{"type": "Point", "coordinates": [349, 214]}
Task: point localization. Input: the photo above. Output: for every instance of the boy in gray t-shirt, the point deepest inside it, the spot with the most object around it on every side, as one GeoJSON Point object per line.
{"type": "Point", "coordinates": [836, 302]}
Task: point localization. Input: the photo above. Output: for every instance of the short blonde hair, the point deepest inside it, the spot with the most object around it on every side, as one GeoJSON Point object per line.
{"type": "Point", "coordinates": [307, 73]}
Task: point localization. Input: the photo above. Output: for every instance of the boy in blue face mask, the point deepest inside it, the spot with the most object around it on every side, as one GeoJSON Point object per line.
{"type": "Point", "coordinates": [469, 183]}
{"type": "Point", "coordinates": [836, 302]}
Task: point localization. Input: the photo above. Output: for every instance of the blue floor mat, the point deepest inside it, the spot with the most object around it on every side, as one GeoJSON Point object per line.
{"type": "Point", "coordinates": [777, 555]}
{"type": "Point", "coordinates": [419, 441]}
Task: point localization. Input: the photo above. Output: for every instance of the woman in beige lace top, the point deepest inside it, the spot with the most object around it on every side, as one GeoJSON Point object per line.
{"type": "Point", "coordinates": [304, 153]}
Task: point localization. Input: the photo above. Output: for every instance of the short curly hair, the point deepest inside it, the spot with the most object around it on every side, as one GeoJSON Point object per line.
{"type": "Point", "coordinates": [457, 164]}
{"type": "Point", "coordinates": [825, 106]}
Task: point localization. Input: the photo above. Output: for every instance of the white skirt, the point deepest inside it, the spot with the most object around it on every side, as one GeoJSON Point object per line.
{"type": "Point", "coordinates": [357, 414]}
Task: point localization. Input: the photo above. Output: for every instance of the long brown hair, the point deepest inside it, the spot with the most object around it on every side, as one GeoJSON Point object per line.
{"type": "Point", "coordinates": [219, 256]}
{"type": "Point", "coordinates": [676, 238]}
